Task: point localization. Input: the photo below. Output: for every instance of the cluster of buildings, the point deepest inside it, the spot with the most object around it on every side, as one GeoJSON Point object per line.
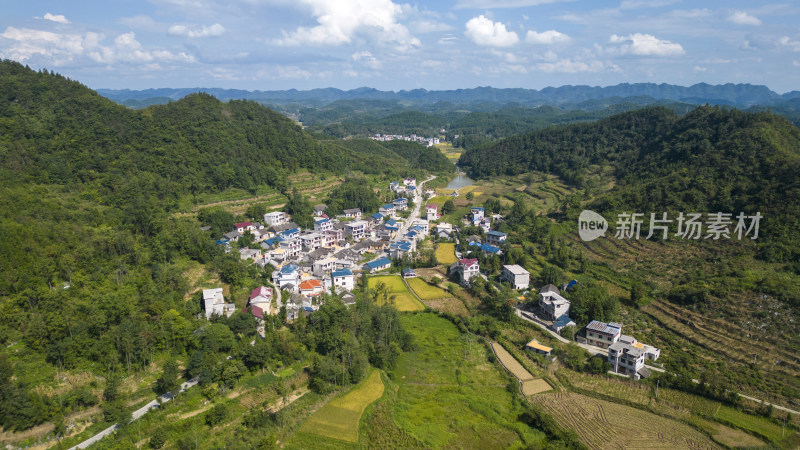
{"type": "Point", "coordinates": [430, 142]}
{"type": "Point", "coordinates": [327, 258]}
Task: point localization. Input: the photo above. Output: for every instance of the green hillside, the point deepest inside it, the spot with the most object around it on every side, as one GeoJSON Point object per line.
{"type": "Point", "coordinates": [709, 160]}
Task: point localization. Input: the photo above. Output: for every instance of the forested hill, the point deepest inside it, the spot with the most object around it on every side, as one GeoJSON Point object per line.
{"type": "Point", "coordinates": [709, 160]}
{"type": "Point", "coordinates": [54, 130]}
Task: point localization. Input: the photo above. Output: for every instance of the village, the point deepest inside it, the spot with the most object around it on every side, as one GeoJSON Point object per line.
{"type": "Point", "coordinates": [345, 245]}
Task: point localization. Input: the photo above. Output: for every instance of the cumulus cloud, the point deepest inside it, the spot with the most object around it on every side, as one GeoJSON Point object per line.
{"type": "Point", "coordinates": [367, 59]}
{"type": "Point", "coordinates": [646, 45]}
{"type": "Point", "coordinates": [483, 31]}
{"type": "Point", "coordinates": [64, 48]}
{"type": "Point", "coordinates": [785, 41]}
{"type": "Point", "coordinates": [570, 66]}
{"type": "Point", "coordinates": [545, 37]}
{"type": "Point", "coordinates": [491, 4]}
{"type": "Point", "coordinates": [339, 22]}
{"type": "Point", "coordinates": [196, 31]}
{"type": "Point", "coordinates": [742, 18]}
{"type": "Point", "coordinates": [59, 18]}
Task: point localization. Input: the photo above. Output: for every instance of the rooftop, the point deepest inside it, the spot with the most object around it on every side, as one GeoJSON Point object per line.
{"type": "Point", "coordinates": [342, 273]}
{"type": "Point", "coordinates": [605, 328]}
{"type": "Point", "coordinates": [516, 269]}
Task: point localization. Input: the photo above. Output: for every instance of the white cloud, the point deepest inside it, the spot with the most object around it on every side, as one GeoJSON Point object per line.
{"type": "Point", "coordinates": [483, 31]}
{"type": "Point", "coordinates": [645, 45]}
{"type": "Point", "coordinates": [429, 26]}
{"type": "Point", "coordinates": [570, 66]}
{"type": "Point", "coordinates": [742, 18]}
{"type": "Point", "coordinates": [635, 4]}
{"type": "Point", "coordinates": [545, 37]}
{"type": "Point", "coordinates": [64, 48]}
{"type": "Point", "coordinates": [699, 69]}
{"type": "Point", "coordinates": [796, 63]}
{"type": "Point", "coordinates": [788, 42]}
{"type": "Point", "coordinates": [367, 59]}
{"type": "Point", "coordinates": [491, 4]}
{"type": "Point", "coordinates": [59, 18]}
{"type": "Point", "coordinates": [339, 22]}
{"type": "Point", "coordinates": [195, 31]}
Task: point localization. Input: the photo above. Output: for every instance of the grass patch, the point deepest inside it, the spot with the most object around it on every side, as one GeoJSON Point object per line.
{"type": "Point", "coordinates": [759, 425]}
{"type": "Point", "coordinates": [450, 395]}
{"type": "Point", "coordinates": [425, 291]}
{"type": "Point", "coordinates": [445, 253]}
{"type": "Point", "coordinates": [399, 295]}
{"type": "Point", "coordinates": [339, 419]}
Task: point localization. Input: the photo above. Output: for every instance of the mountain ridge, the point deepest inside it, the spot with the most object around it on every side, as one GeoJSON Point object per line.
{"type": "Point", "coordinates": [741, 94]}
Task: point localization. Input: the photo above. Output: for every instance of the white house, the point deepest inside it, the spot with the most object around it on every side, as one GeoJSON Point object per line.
{"type": "Point", "coordinates": [400, 203]}
{"type": "Point", "coordinates": [323, 266]}
{"type": "Point", "coordinates": [354, 213]}
{"type": "Point", "coordinates": [551, 303]}
{"type": "Point", "coordinates": [603, 335]}
{"type": "Point", "coordinates": [516, 275]}
{"type": "Point", "coordinates": [627, 359]}
{"type": "Point", "coordinates": [432, 212]}
{"type": "Point", "coordinates": [357, 229]}
{"type": "Point", "coordinates": [276, 218]}
{"type": "Point", "coordinates": [466, 269]}
{"type": "Point", "coordinates": [287, 277]}
{"type": "Point", "coordinates": [311, 241]}
{"type": "Point", "coordinates": [343, 280]}
{"type": "Point", "coordinates": [378, 264]}
{"type": "Point", "coordinates": [261, 297]}
{"type": "Point", "coordinates": [477, 213]}
{"type": "Point", "coordinates": [214, 303]}
{"type": "Point", "coordinates": [323, 225]}
{"type": "Point", "coordinates": [494, 237]}
{"type": "Point", "coordinates": [388, 210]}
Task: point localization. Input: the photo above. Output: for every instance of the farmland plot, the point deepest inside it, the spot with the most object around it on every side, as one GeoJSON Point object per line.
{"type": "Point", "coordinates": [602, 424]}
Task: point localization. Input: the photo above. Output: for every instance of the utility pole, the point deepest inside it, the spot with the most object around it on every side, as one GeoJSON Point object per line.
{"type": "Point", "coordinates": [657, 389]}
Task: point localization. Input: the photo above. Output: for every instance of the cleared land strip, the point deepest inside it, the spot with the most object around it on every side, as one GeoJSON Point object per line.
{"type": "Point", "coordinates": [530, 386]}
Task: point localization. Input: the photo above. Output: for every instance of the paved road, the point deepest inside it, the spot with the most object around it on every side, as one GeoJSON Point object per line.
{"type": "Point", "coordinates": [418, 198]}
{"type": "Point", "coordinates": [136, 414]}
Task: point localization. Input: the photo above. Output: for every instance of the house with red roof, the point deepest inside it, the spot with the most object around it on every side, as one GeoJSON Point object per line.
{"type": "Point", "coordinates": [312, 287]}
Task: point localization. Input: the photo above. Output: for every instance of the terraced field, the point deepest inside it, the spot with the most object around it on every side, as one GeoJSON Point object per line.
{"type": "Point", "coordinates": [602, 424]}
{"type": "Point", "coordinates": [425, 291]}
{"type": "Point", "coordinates": [339, 419]}
{"type": "Point", "coordinates": [399, 295]}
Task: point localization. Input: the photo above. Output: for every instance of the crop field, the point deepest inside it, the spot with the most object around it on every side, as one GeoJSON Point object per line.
{"type": "Point", "coordinates": [339, 419]}
{"type": "Point", "coordinates": [755, 424]}
{"type": "Point", "coordinates": [399, 295]}
{"type": "Point", "coordinates": [425, 291]}
{"type": "Point", "coordinates": [511, 363]}
{"type": "Point", "coordinates": [533, 387]}
{"type": "Point", "coordinates": [450, 395]}
{"type": "Point", "coordinates": [602, 424]}
{"type": "Point", "coordinates": [446, 253]}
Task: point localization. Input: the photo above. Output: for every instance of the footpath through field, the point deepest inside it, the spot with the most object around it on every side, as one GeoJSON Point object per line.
{"type": "Point", "coordinates": [137, 414]}
{"type": "Point", "coordinates": [528, 383]}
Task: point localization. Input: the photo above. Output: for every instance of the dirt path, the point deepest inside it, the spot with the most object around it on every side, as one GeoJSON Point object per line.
{"type": "Point", "coordinates": [280, 404]}
{"type": "Point", "coordinates": [40, 431]}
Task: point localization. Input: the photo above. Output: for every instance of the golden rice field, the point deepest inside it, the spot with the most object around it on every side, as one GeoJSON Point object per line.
{"type": "Point", "coordinates": [425, 291]}
{"type": "Point", "coordinates": [446, 253]}
{"type": "Point", "coordinates": [602, 424]}
{"type": "Point", "coordinates": [510, 363]}
{"type": "Point", "coordinates": [339, 418]}
{"type": "Point", "coordinates": [399, 295]}
{"type": "Point", "coordinates": [533, 387]}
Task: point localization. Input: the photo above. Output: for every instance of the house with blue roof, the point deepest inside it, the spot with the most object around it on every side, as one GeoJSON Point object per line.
{"type": "Point", "coordinates": [378, 265]}
{"type": "Point", "coordinates": [391, 223]}
{"type": "Point", "coordinates": [491, 250]}
{"type": "Point", "coordinates": [376, 218]}
{"type": "Point", "coordinates": [287, 277]}
{"type": "Point", "coordinates": [562, 322]}
{"type": "Point", "coordinates": [343, 280]}
{"type": "Point", "coordinates": [400, 248]}
{"type": "Point", "coordinates": [409, 273]}
{"type": "Point", "coordinates": [388, 210]}
{"type": "Point", "coordinates": [400, 203]}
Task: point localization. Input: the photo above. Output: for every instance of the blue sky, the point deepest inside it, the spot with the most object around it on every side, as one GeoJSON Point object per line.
{"type": "Point", "coordinates": [391, 45]}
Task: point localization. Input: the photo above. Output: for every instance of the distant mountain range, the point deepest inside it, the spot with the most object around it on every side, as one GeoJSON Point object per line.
{"type": "Point", "coordinates": [740, 95]}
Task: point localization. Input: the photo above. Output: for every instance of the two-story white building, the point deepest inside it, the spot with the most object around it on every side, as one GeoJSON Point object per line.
{"type": "Point", "coordinates": [496, 238]}
{"type": "Point", "coordinates": [214, 303]}
{"type": "Point", "coordinates": [466, 269]}
{"type": "Point", "coordinates": [343, 280]}
{"type": "Point", "coordinates": [603, 335]}
{"type": "Point", "coordinates": [276, 218]}
{"type": "Point", "coordinates": [551, 303]}
{"type": "Point", "coordinates": [516, 275]}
